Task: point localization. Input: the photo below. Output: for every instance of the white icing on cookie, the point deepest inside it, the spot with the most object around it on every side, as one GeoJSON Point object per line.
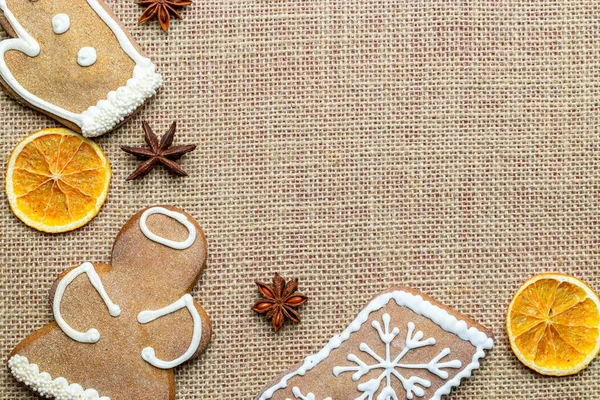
{"type": "Point", "coordinates": [45, 385]}
{"type": "Point", "coordinates": [87, 56]}
{"type": "Point", "coordinates": [92, 335]}
{"type": "Point", "coordinates": [390, 367]}
{"type": "Point", "coordinates": [418, 305]}
{"type": "Point", "coordinates": [106, 114]}
{"type": "Point", "coordinates": [61, 23]}
{"type": "Point", "coordinates": [148, 353]}
{"type": "Point", "coordinates": [182, 219]}
{"type": "Point", "coordinates": [309, 396]}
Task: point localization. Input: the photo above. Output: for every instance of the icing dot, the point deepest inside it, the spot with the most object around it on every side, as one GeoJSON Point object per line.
{"type": "Point", "coordinates": [61, 23]}
{"type": "Point", "coordinates": [86, 56]}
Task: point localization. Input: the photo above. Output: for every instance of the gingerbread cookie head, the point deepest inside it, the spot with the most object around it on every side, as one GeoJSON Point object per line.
{"type": "Point", "coordinates": [120, 329]}
{"type": "Point", "coordinates": [73, 60]}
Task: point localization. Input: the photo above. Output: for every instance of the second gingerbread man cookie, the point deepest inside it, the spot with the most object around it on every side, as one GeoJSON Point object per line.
{"type": "Point", "coordinates": [120, 329]}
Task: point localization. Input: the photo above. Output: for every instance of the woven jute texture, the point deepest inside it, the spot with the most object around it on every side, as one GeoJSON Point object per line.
{"type": "Point", "coordinates": [452, 146]}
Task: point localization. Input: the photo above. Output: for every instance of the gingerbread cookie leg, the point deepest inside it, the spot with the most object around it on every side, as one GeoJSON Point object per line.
{"type": "Point", "coordinates": [121, 329]}
{"type": "Point", "coordinates": [53, 64]}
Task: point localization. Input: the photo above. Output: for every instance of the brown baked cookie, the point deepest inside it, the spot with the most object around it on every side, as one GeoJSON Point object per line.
{"type": "Point", "coordinates": [75, 62]}
{"type": "Point", "coordinates": [120, 329]}
{"type": "Point", "coordinates": [402, 345]}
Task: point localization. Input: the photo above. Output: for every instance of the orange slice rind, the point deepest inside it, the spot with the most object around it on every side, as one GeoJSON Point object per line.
{"type": "Point", "coordinates": [553, 324]}
{"type": "Point", "coordinates": [57, 180]}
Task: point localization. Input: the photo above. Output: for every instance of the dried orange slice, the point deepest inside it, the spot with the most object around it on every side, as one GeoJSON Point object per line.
{"type": "Point", "coordinates": [553, 324]}
{"type": "Point", "coordinates": [57, 180]}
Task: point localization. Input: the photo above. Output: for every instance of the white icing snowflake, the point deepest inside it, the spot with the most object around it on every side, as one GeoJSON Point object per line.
{"type": "Point", "coordinates": [309, 396]}
{"type": "Point", "coordinates": [389, 365]}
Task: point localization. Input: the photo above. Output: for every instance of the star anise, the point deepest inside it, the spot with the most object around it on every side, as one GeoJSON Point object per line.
{"type": "Point", "coordinates": [160, 152]}
{"type": "Point", "coordinates": [279, 301]}
{"type": "Point", "coordinates": [162, 9]}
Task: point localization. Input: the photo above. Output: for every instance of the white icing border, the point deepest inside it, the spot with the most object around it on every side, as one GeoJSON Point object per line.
{"type": "Point", "coordinates": [92, 335]}
{"type": "Point", "coordinates": [42, 382]}
{"type": "Point", "coordinates": [106, 114]}
{"type": "Point", "coordinates": [179, 217]}
{"type": "Point", "coordinates": [144, 317]}
{"type": "Point", "coordinates": [417, 304]}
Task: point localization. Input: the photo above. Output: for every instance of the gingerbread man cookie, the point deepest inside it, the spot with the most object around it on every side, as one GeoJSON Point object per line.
{"type": "Point", "coordinates": [120, 329]}
{"type": "Point", "coordinates": [74, 61]}
{"type": "Point", "coordinates": [402, 345]}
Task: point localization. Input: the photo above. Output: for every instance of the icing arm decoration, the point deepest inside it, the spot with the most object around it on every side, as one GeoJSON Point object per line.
{"type": "Point", "coordinates": [179, 217]}
{"type": "Point", "coordinates": [92, 335]}
{"type": "Point", "coordinates": [148, 353]}
{"type": "Point", "coordinates": [61, 23]}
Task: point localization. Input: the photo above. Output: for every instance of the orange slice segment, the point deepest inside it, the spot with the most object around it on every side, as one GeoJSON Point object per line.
{"type": "Point", "coordinates": [57, 180]}
{"type": "Point", "coordinates": [553, 324]}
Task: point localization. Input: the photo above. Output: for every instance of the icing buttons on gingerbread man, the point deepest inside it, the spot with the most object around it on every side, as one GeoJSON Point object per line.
{"type": "Point", "coordinates": [120, 329]}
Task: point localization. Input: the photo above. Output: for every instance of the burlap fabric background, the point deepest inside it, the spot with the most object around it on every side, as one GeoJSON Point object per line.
{"type": "Point", "coordinates": [452, 146]}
